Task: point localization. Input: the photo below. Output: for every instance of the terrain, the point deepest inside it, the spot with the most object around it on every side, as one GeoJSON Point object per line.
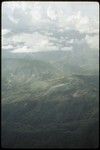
{"type": "Point", "coordinates": [50, 100]}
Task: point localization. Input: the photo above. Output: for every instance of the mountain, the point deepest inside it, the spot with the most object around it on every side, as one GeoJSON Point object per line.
{"type": "Point", "coordinates": [50, 100]}
{"type": "Point", "coordinates": [84, 61]}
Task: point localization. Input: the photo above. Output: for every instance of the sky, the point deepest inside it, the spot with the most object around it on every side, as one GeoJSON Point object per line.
{"type": "Point", "coordinates": [49, 26]}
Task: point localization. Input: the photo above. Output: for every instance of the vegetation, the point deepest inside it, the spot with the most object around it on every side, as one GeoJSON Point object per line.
{"type": "Point", "coordinates": [49, 104]}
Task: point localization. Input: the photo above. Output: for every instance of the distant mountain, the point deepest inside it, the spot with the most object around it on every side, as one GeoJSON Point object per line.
{"type": "Point", "coordinates": [83, 61]}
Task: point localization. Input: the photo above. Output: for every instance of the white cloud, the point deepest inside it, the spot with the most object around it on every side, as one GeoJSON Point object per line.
{"type": "Point", "coordinates": [71, 41]}
{"type": "Point", "coordinates": [51, 13]}
{"type": "Point", "coordinates": [35, 48]}
{"type": "Point", "coordinates": [23, 49]}
{"type": "Point", "coordinates": [36, 13]}
{"type": "Point", "coordinates": [30, 39]}
{"type": "Point", "coordinates": [6, 47]}
{"type": "Point", "coordinates": [66, 48]}
{"type": "Point", "coordinates": [79, 22]}
{"type": "Point", "coordinates": [93, 41]}
{"type": "Point", "coordinates": [33, 43]}
{"type": "Point", "coordinates": [11, 18]}
{"type": "Point", "coordinates": [42, 26]}
{"type": "Point", "coordinates": [5, 31]}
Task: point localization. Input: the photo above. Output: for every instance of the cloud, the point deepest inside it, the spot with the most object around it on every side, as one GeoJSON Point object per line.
{"type": "Point", "coordinates": [78, 22]}
{"type": "Point", "coordinates": [51, 13]}
{"type": "Point", "coordinates": [23, 49]}
{"type": "Point", "coordinates": [93, 41]}
{"type": "Point", "coordinates": [7, 47]}
{"type": "Point", "coordinates": [41, 26]}
{"type": "Point", "coordinates": [66, 48]}
{"type": "Point", "coordinates": [32, 43]}
{"type": "Point", "coordinates": [35, 48]}
{"type": "Point", "coordinates": [5, 31]}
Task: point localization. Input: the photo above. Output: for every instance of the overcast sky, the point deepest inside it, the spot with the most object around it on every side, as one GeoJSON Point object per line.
{"type": "Point", "coordinates": [46, 26]}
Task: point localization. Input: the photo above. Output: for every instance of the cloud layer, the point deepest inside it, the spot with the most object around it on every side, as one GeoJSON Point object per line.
{"type": "Point", "coordinates": [46, 26]}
